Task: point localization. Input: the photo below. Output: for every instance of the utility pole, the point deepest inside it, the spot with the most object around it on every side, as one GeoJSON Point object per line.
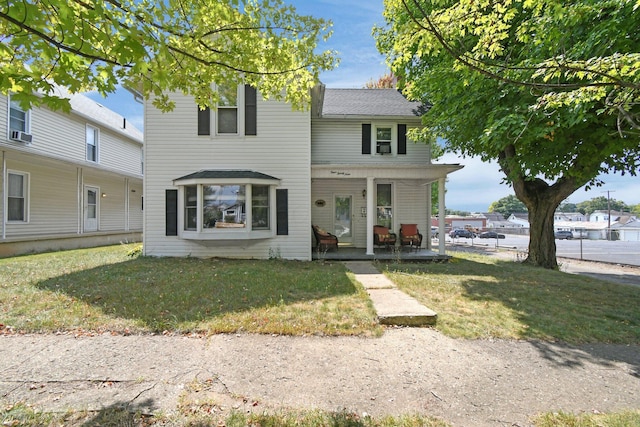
{"type": "Point", "coordinates": [609, 213]}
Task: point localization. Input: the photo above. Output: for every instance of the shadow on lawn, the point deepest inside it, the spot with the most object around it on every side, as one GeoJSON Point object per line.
{"type": "Point", "coordinates": [159, 293]}
{"type": "Point", "coordinates": [561, 311]}
{"type": "Point", "coordinates": [558, 312]}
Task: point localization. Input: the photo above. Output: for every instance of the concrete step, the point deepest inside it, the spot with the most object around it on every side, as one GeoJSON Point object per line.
{"type": "Point", "coordinates": [393, 306]}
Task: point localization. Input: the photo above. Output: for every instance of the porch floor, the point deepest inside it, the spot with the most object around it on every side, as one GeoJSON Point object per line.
{"type": "Point", "coordinates": [349, 253]}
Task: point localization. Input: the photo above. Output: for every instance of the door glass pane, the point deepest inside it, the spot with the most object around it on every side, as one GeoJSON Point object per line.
{"type": "Point", "coordinates": [92, 211]}
{"type": "Point", "coordinates": [383, 204]}
{"type": "Point", "coordinates": [342, 223]}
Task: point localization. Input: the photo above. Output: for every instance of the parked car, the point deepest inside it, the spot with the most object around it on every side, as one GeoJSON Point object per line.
{"type": "Point", "coordinates": [459, 232]}
{"type": "Point", "coordinates": [563, 234]}
{"type": "Point", "coordinates": [491, 235]}
{"type": "Point", "coordinates": [434, 232]}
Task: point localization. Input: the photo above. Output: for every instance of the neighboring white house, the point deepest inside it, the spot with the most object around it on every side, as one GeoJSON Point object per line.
{"type": "Point", "coordinates": [519, 220]}
{"type": "Point", "coordinates": [603, 215]}
{"type": "Point", "coordinates": [345, 166]}
{"type": "Point", "coordinates": [68, 180]}
{"type": "Point", "coordinates": [628, 231]}
{"type": "Point", "coordinates": [569, 216]}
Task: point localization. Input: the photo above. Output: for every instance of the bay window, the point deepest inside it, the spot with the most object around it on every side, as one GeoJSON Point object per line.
{"type": "Point", "coordinates": [227, 205]}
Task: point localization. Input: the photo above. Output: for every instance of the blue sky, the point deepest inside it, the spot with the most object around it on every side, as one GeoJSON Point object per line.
{"type": "Point", "coordinates": [472, 188]}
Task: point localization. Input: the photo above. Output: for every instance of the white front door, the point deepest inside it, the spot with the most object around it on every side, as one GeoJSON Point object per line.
{"type": "Point", "coordinates": [342, 224]}
{"type": "Point", "coordinates": [91, 208]}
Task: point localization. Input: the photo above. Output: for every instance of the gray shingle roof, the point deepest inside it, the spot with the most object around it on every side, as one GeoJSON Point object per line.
{"type": "Point", "coordinates": [368, 102]}
{"type": "Point", "coordinates": [100, 114]}
{"type": "Point", "coordinates": [226, 173]}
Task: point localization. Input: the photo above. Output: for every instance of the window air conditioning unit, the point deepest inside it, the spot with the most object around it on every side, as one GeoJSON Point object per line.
{"type": "Point", "coordinates": [384, 149]}
{"type": "Point", "coordinates": [18, 135]}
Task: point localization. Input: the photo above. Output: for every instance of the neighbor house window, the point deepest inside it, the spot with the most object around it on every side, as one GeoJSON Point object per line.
{"type": "Point", "coordinates": [92, 139]}
{"type": "Point", "coordinates": [384, 206]}
{"type": "Point", "coordinates": [18, 118]}
{"type": "Point", "coordinates": [17, 196]}
{"type": "Point", "coordinates": [228, 109]}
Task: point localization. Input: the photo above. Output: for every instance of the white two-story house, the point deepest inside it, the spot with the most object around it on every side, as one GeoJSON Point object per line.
{"type": "Point", "coordinates": [249, 178]}
{"type": "Point", "coordinates": [68, 180]}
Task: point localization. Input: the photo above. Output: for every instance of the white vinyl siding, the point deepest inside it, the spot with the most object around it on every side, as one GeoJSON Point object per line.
{"type": "Point", "coordinates": [340, 142]}
{"type": "Point", "coordinates": [62, 136]}
{"type": "Point", "coordinates": [280, 149]}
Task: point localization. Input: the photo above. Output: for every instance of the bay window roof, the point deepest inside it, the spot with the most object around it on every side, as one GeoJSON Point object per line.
{"type": "Point", "coordinates": [238, 176]}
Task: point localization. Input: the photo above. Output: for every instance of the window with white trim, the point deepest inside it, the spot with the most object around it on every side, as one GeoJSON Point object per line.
{"type": "Point", "coordinates": [227, 117]}
{"type": "Point", "coordinates": [225, 208]}
{"type": "Point", "coordinates": [18, 118]}
{"type": "Point", "coordinates": [93, 143]}
{"type": "Point", "coordinates": [383, 139]}
{"type": "Point", "coordinates": [17, 196]}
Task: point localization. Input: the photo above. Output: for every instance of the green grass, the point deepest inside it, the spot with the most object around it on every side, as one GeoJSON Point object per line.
{"type": "Point", "coordinates": [203, 414]}
{"type": "Point", "coordinates": [562, 419]}
{"type": "Point", "coordinates": [103, 289]}
{"type": "Point", "coordinates": [477, 296]}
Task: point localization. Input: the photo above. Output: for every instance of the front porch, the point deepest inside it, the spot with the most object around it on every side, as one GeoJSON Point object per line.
{"type": "Point", "coordinates": [349, 253]}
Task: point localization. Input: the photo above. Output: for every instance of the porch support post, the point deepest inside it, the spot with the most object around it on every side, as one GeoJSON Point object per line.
{"type": "Point", "coordinates": [371, 213]}
{"type": "Point", "coordinates": [441, 215]}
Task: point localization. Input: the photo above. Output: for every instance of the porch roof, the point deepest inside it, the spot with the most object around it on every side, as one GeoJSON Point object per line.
{"type": "Point", "coordinates": [426, 172]}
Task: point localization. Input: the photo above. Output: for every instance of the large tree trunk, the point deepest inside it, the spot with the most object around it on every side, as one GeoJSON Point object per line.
{"type": "Point", "coordinates": [541, 200]}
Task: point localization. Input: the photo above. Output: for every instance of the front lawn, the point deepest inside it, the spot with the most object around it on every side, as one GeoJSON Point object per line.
{"type": "Point", "coordinates": [102, 289]}
{"type": "Point", "coordinates": [478, 296]}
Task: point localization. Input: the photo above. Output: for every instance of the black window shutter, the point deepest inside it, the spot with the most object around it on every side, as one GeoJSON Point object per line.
{"type": "Point", "coordinates": [366, 138]}
{"type": "Point", "coordinates": [250, 111]}
{"type": "Point", "coordinates": [204, 121]}
{"type": "Point", "coordinates": [402, 139]}
{"type": "Point", "coordinates": [282, 212]}
{"type": "Point", "coordinates": [171, 212]}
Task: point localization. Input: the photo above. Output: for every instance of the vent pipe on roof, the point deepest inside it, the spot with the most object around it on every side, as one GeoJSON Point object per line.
{"type": "Point", "coordinates": [124, 123]}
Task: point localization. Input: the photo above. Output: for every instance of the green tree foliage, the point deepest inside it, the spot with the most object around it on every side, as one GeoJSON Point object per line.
{"type": "Point", "coordinates": [528, 83]}
{"type": "Point", "coordinates": [567, 207]}
{"type": "Point", "coordinates": [602, 204]}
{"type": "Point", "coordinates": [157, 47]}
{"type": "Point", "coordinates": [507, 205]}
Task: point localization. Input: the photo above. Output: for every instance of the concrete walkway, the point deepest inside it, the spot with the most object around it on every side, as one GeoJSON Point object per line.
{"type": "Point", "coordinates": [393, 306]}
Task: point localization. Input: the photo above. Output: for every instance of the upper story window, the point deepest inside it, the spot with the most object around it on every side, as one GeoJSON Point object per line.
{"type": "Point", "coordinates": [384, 139]}
{"type": "Point", "coordinates": [17, 196]}
{"type": "Point", "coordinates": [18, 118]}
{"type": "Point", "coordinates": [236, 113]}
{"type": "Point", "coordinates": [228, 109]}
{"type": "Point", "coordinates": [92, 140]}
